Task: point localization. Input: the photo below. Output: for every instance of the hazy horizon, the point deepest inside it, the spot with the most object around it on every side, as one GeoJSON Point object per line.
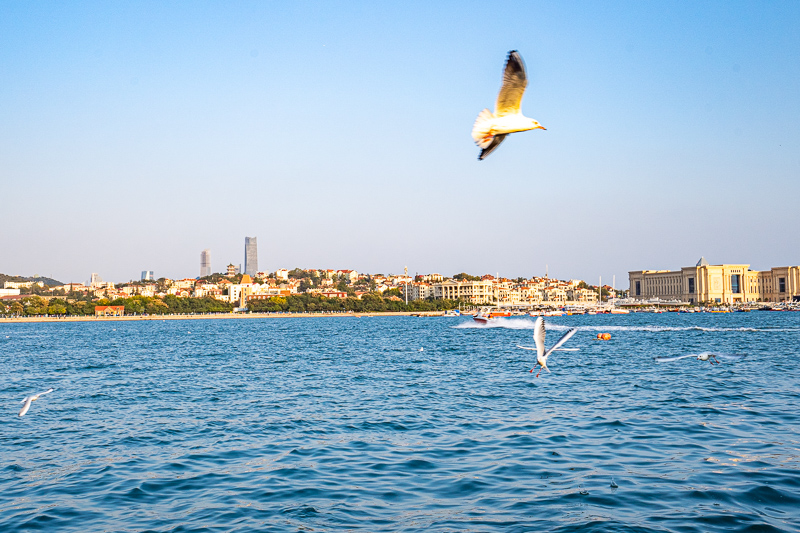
{"type": "Point", "coordinates": [135, 136]}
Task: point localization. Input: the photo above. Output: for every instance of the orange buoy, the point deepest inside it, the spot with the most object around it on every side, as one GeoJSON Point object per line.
{"type": "Point", "coordinates": [603, 336]}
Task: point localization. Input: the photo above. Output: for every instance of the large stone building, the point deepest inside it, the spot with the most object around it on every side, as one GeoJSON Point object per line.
{"type": "Point", "coordinates": [705, 283]}
{"type": "Point", "coordinates": [478, 292]}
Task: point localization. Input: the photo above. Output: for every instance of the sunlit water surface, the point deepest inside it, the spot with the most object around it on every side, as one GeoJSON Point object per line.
{"type": "Point", "coordinates": [401, 424]}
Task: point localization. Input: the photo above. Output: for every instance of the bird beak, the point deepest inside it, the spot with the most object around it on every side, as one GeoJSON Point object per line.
{"type": "Point", "coordinates": [540, 127]}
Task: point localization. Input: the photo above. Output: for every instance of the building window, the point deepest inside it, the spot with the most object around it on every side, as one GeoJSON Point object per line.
{"type": "Point", "coordinates": [691, 285]}
{"type": "Point", "coordinates": [735, 283]}
{"type": "Point", "coordinates": [781, 284]}
{"type": "Point", "coordinates": [638, 288]}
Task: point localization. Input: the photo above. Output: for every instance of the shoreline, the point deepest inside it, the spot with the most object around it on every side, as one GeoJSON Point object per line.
{"type": "Point", "coordinates": [215, 316]}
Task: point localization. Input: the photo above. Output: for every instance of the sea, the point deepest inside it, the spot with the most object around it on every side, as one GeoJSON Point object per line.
{"type": "Point", "coordinates": [402, 424]}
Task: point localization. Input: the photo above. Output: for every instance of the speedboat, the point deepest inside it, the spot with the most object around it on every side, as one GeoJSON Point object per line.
{"type": "Point", "coordinates": [484, 316]}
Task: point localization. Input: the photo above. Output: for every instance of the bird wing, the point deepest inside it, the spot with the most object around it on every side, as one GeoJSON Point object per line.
{"type": "Point", "coordinates": [27, 405]}
{"type": "Point", "coordinates": [527, 347]}
{"type": "Point", "coordinates": [48, 391]}
{"type": "Point", "coordinates": [663, 359]}
{"type": "Point", "coordinates": [538, 336]}
{"type": "Point", "coordinates": [514, 82]}
{"type": "Point", "coordinates": [496, 140]}
{"type": "Point", "coordinates": [564, 338]}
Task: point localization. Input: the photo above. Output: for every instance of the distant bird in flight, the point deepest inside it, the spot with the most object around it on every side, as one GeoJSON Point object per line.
{"type": "Point", "coordinates": [704, 356]}
{"type": "Point", "coordinates": [490, 128]}
{"type": "Point", "coordinates": [538, 338]}
{"type": "Point", "coordinates": [27, 401]}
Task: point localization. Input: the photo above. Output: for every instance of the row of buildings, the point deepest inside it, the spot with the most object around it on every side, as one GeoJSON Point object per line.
{"type": "Point", "coordinates": [724, 284]}
{"type": "Point", "coordinates": [328, 283]}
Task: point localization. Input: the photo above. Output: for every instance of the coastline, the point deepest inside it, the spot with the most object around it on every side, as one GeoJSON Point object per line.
{"type": "Point", "coordinates": [215, 316]}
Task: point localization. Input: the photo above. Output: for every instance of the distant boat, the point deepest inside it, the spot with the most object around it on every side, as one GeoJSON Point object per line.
{"type": "Point", "coordinates": [484, 316]}
{"type": "Point", "coordinates": [616, 311]}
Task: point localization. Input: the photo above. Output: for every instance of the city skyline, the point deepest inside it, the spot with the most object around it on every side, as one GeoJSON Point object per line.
{"type": "Point", "coordinates": [671, 134]}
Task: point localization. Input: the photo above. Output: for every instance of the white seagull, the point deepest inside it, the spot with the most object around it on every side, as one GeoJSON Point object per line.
{"type": "Point", "coordinates": [704, 356]}
{"type": "Point", "coordinates": [27, 401]}
{"type": "Point", "coordinates": [538, 338]}
{"type": "Point", "coordinates": [490, 128]}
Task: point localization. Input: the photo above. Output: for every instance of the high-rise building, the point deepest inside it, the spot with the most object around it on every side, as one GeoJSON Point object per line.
{"type": "Point", "coordinates": [147, 275]}
{"type": "Point", "coordinates": [250, 256]}
{"type": "Point", "coordinates": [205, 263]}
{"type": "Point", "coordinates": [95, 280]}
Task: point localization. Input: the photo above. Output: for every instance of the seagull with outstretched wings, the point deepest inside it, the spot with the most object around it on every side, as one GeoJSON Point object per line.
{"type": "Point", "coordinates": [29, 399]}
{"type": "Point", "coordinates": [704, 356]}
{"type": "Point", "coordinates": [490, 128]}
{"type": "Point", "coordinates": [538, 339]}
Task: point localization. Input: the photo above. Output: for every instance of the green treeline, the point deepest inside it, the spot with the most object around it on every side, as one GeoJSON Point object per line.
{"type": "Point", "coordinates": [369, 303]}
{"type": "Point", "coordinates": [35, 305]}
{"type": "Point", "coordinates": [300, 303]}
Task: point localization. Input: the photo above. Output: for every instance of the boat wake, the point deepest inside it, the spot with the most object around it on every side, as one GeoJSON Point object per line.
{"type": "Point", "coordinates": [526, 323]}
{"type": "Point", "coordinates": [504, 323]}
{"type": "Point", "coordinates": [656, 329]}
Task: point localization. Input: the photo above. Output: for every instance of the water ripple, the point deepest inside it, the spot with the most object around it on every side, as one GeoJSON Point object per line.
{"type": "Point", "coordinates": [339, 424]}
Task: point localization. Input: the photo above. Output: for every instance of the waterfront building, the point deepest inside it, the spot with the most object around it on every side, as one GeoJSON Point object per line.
{"type": "Point", "coordinates": [250, 256]}
{"type": "Point", "coordinates": [205, 263]}
{"type": "Point", "coordinates": [419, 291]}
{"type": "Point", "coordinates": [477, 292]}
{"type": "Point", "coordinates": [147, 275]}
{"type": "Point", "coordinates": [727, 284]}
{"type": "Point", "coordinates": [109, 310]}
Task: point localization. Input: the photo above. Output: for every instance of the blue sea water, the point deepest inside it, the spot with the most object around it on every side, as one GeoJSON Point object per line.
{"type": "Point", "coordinates": [401, 424]}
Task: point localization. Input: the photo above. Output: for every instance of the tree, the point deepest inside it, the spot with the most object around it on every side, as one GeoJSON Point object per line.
{"type": "Point", "coordinates": [466, 277]}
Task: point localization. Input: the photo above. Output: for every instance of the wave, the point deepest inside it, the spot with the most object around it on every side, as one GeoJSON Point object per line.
{"type": "Point", "coordinates": [526, 323]}
{"type": "Point", "coordinates": [656, 329]}
{"type": "Point", "coordinates": [505, 323]}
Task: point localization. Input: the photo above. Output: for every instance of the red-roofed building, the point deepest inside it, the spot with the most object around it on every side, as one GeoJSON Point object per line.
{"type": "Point", "coordinates": [109, 310]}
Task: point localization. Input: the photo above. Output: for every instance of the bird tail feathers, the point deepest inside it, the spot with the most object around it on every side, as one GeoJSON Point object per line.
{"type": "Point", "coordinates": [481, 130]}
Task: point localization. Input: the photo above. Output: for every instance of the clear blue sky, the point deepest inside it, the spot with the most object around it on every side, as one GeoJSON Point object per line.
{"type": "Point", "coordinates": [134, 135]}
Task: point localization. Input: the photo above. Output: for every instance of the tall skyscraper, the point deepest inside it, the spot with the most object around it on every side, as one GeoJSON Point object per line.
{"type": "Point", "coordinates": [147, 275]}
{"type": "Point", "coordinates": [250, 256]}
{"type": "Point", "coordinates": [205, 263]}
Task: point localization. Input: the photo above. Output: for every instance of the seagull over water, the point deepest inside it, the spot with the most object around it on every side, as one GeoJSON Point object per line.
{"type": "Point", "coordinates": [704, 356]}
{"type": "Point", "coordinates": [538, 338]}
{"type": "Point", "coordinates": [27, 401]}
{"type": "Point", "coordinates": [490, 128]}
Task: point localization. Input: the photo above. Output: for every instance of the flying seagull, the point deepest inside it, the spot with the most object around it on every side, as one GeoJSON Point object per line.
{"type": "Point", "coordinates": [27, 401]}
{"type": "Point", "coordinates": [705, 356]}
{"type": "Point", "coordinates": [490, 128]}
{"type": "Point", "coordinates": [538, 338]}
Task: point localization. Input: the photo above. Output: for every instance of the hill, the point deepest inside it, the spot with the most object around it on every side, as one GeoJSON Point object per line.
{"type": "Point", "coordinates": [50, 282]}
